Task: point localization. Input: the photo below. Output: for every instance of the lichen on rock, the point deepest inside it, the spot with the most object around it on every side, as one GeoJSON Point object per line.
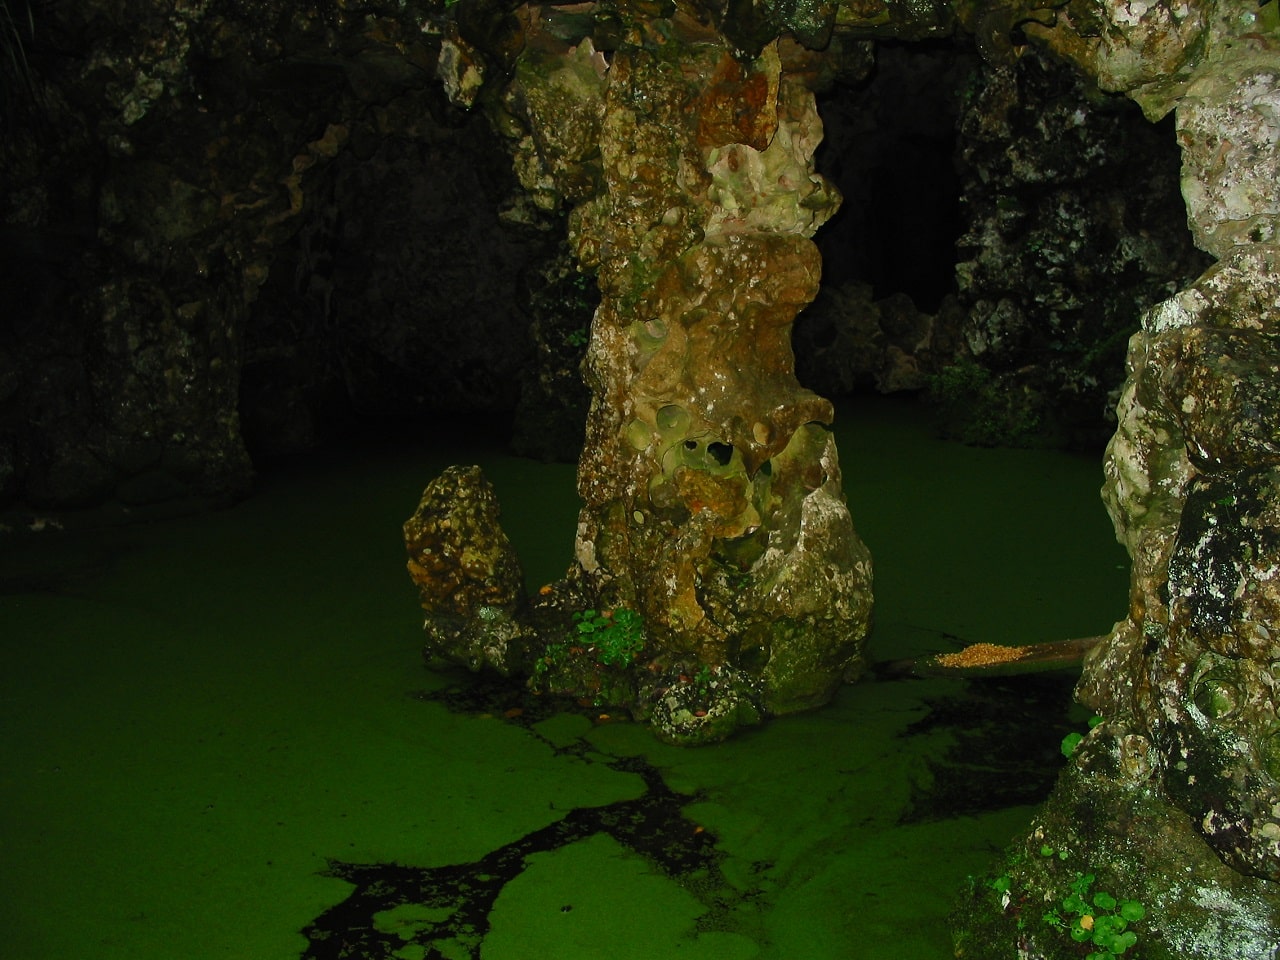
{"type": "Point", "coordinates": [1174, 798]}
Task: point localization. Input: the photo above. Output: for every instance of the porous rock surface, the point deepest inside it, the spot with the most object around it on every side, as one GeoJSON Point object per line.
{"type": "Point", "coordinates": [469, 579]}
{"type": "Point", "coordinates": [1173, 799]}
{"type": "Point", "coordinates": [713, 505]}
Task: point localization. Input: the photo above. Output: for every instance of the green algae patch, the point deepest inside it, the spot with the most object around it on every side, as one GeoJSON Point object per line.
{"type": "Point", "coordinates": [583, 900]}
{"type": "Point", "coordinates": [198, 732]}
{"type": "Point", "coordinates": [563, 729]}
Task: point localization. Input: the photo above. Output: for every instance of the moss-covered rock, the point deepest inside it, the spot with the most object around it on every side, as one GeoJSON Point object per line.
{"type": "Point", "coordinates": [1089, 856]}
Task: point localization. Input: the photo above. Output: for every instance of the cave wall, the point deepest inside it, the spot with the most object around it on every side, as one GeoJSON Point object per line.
{"type": "Point", "coordinates": [230, 231]}
{"type": "Point", "coordinates": [164, 160]}
{"type": "Point", "coordinates": [1074, 225]}
{"type": "Point", "coordinates": [1005, 224]}
{"type": "Point", "coordinates": [406, 293]}
{"type": "Point", "coordinates": [232, 222]}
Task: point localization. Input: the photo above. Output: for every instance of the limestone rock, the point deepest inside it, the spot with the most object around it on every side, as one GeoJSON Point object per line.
{"type": "Point", "coordinates": [1190, 485]}
{"type": "Point", "coordinates": [468, 576]}
{"type": "Point", "coordinates": [1146, 50]}
{"type": "Point", "coordinates": [712, 508]}
{"type": "Point", "coordinates": [1176, 796]}
{"type": "Point", "coordinates": [1074, 228]}
{"type": "Point", "coordinates": [1110, 820]}
{"type": "Point", "coordinates": [847, 342]}
{"type": "Point", "coordinates": [1228, 126]}
{"type": "Point", "coordinates": [1184, 770]}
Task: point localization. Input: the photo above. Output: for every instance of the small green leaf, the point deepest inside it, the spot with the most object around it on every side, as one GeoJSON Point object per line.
{"type": "Point", "coordinates": [1107, 927]}
{"type": "Point", "coordinates": [1132, 910]}
{"type": "Point", "coordinates": [1123, 942]}
{"type": "Point", "coordinates": [1104, 901]}
{"type": "Point", "coordinates": [1070, 742]}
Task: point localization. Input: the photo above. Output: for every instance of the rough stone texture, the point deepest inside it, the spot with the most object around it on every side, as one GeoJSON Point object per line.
{"type": "Point", "coordinates": [847, 342]}
{"type": "Point", "coordinates": [182, 186]}
{"type": "Point", "coordinates": [402, 293]}
{"type": "Point", "coordinates": [1146, 50]}
{"type": "Point", "coordinates": [1191, 489]}
{"type": "Point", "coordinates": [1184, 773]}
{"type": "Point", "coordinates": [1109, 818]}
{"type": "Point", "coordinates": [1072, 227]}
{"type": "Point", "coordinates": [218, 232]}
{"type": "Point", "coordinates": [713, 503]}
{"type": "Point", "coordinates": [1061, 205]}
{"type": "Point", "coordinates": [468, 576]}
{"type": "Point", "coordinates": [552, 414]}
{"type": "Point", "coordinates": [1228, 125]}
{"type": "Point", "coordinates": [1175, 799]}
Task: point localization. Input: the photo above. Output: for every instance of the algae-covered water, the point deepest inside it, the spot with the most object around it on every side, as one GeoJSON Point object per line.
{"type": "Point", "coordinates": [219, 739]}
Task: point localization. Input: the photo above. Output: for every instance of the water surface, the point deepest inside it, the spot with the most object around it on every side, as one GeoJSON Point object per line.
{"type": "Point", "coordinates": [219, 739]}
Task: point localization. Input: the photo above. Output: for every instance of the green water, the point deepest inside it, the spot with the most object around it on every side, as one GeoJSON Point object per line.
{"type": "Point", "coordinates": [200, 716]}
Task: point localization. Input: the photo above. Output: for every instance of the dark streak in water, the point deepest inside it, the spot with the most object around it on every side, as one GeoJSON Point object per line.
{"type": "Point", "coordinates": [457, 898]}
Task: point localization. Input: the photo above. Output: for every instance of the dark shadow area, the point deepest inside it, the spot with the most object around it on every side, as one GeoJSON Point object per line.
{"type": "Point", "coordinates": [889, 146]}
{"type": "Point", "coordinates": [1006, 745]}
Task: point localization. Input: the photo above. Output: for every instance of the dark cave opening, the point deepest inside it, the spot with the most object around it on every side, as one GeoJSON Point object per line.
{"type": "Point", "coordinates": [1004, 227]}
{"type": "Point", "coordinates": [889, 146]}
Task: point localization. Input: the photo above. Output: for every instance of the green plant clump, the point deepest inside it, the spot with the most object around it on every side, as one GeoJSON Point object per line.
{"type": "Point", "coordinates": [1096, 918]}
{"type": "Point", "coordinates": [617, 635]}
{"type": "Point", "coordinates": [552, 657]}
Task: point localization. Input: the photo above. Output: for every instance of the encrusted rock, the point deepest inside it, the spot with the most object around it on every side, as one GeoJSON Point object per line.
{"type": "Point", "coordinates": [713, 507]}
{"type": "Point", "coordinates": [1228, 126]}
{"type": "Point", "coordinates": [1174, 800]}
{"type": "Point", "coordinates": [469, 578]}
{"type": "Point", "coordinates": [1073, 227]}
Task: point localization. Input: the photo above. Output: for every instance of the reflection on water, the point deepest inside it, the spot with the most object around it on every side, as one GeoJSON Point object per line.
{"type": "Point", "coordinates": [219, 739]}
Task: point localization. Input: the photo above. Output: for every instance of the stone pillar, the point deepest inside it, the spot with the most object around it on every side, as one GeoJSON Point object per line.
{"type": "Point", "coordinates": [1193, 486]}
{"type": "Point", "coordinates": [713, 504]}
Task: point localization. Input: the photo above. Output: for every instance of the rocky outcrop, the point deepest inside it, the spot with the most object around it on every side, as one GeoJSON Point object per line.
{"type": "Point", "coordinates": [1027, 216]}
{"type": "Point", "coordinates": [713, 508]}
{"type": "Point", "coordinates": [1182, 769]}
{"type": "Point", "coordinates": [1073, 226]}
{"type": "Point", "coordinates": [469, 579]}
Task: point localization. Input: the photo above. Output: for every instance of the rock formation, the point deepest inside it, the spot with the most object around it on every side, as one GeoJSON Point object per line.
{"type": "Point", "coordinates": [713, 507]}
{"type": "Point", "coordinates": [1172, 800]}
{"type": "Point", "coordinates": [158, 159]}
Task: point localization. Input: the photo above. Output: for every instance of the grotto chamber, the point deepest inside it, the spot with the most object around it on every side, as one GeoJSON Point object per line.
{"type": "Point", "coordinates": [222, 283]}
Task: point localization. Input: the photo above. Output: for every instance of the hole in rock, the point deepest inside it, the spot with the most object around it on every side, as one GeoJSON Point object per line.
{"type": "Point", "coordinates": [721, 453]}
